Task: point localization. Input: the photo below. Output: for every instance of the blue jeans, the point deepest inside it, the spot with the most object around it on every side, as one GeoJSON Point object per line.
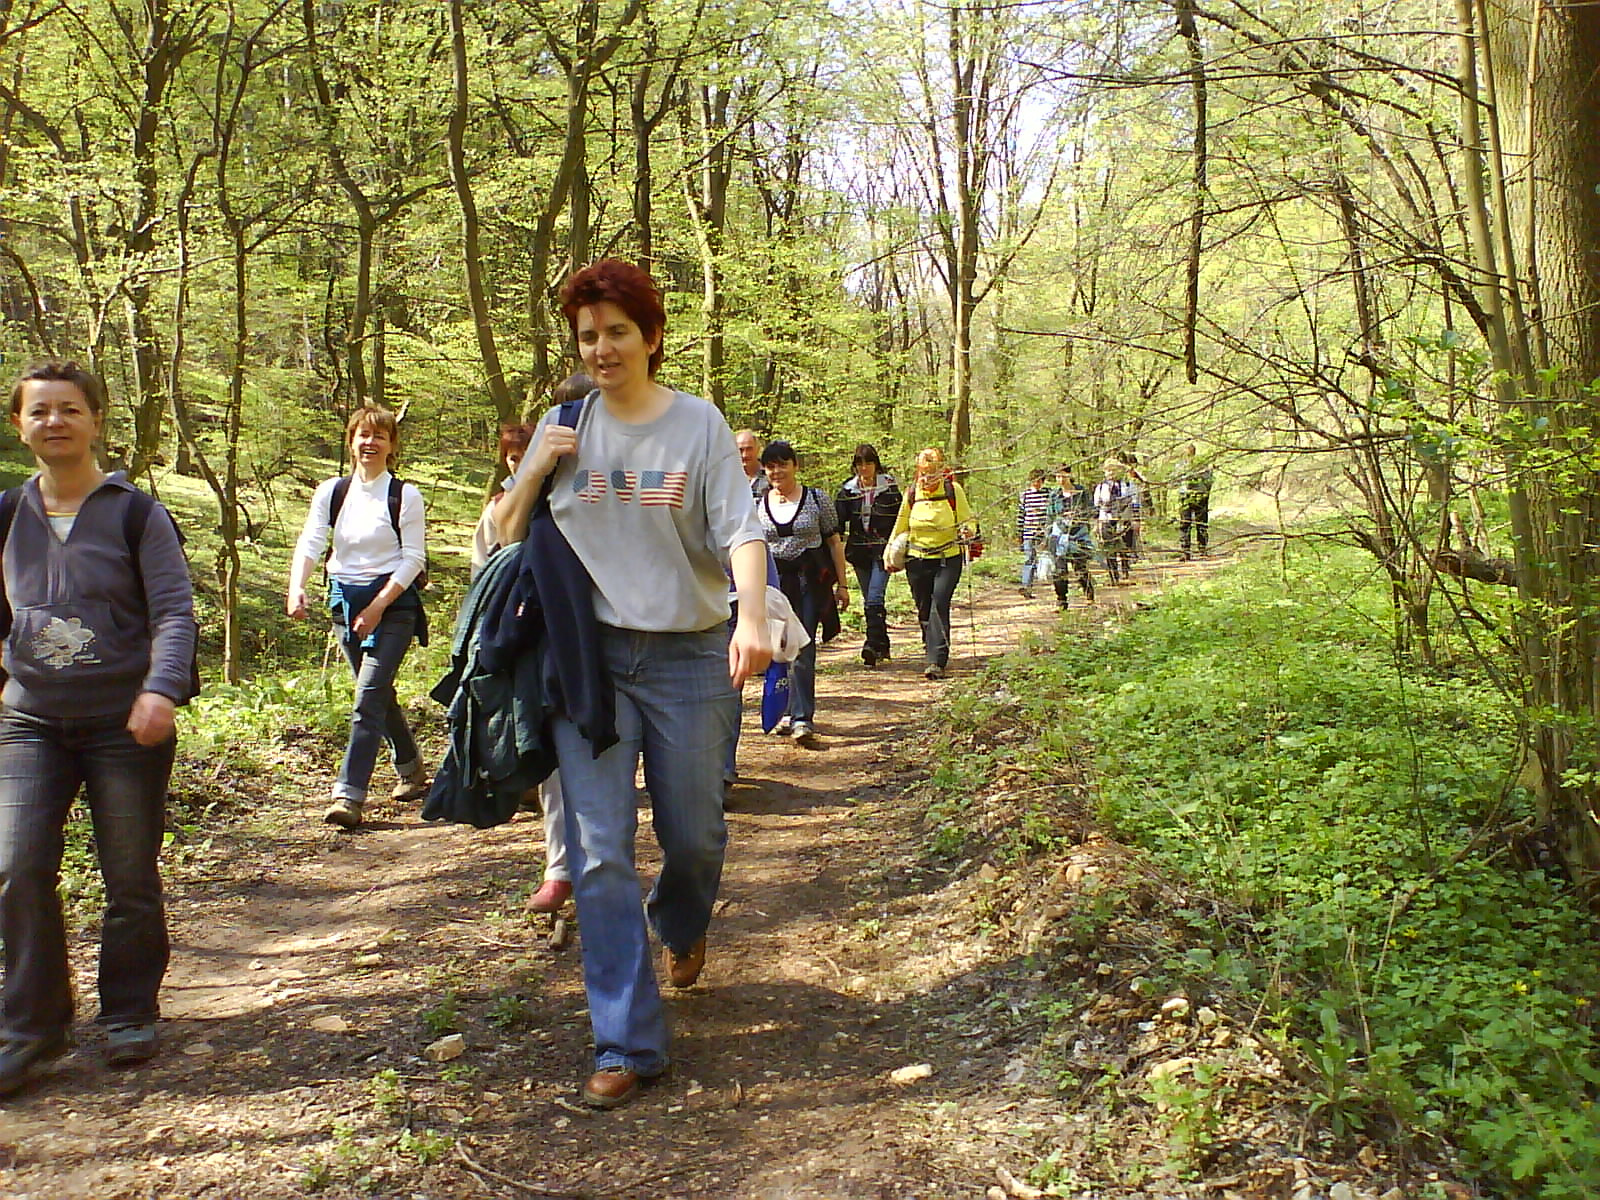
{"type": "Point", "coordinates": [1030, 560]}
{"type": "Point", "coordinates": [43, 762]}
{"type": "Point", "coordinates": [933, 586]}
{"type": "Point", "coordinates": [803, 671]}
{"type": "Point", "coordinates": [674, 708]}
{"type": "Point", "coordinates": [376, 716]}
{"type": "Point", "coordinates": [873, 582]}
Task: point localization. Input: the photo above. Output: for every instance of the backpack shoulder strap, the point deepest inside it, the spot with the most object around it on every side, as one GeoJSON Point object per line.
{"type": "Point", "coordinates": [9, 500]}
{"type": "Point", "coordinates": [396, 494]}
{"type": "Point", "coordinates": [341, 489]}
{"type": "Point", "coordinates": [570, 411]}
{"type": "Point", "coordinates": [566, 414]}
{"type": "Point", "coordinates": [135, 517]}
{"type": "Point", "coordinates": [950, 493]}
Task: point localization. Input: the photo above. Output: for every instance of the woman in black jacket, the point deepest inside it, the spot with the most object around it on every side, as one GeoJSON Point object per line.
{"type": "Point", "coordinates": [868, 503]}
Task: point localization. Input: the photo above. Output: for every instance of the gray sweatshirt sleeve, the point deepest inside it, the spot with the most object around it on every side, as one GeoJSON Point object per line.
{"type": "Point", "coordinates": [730, 512]}
{"type": "Point", "coordinates": [169, 608]}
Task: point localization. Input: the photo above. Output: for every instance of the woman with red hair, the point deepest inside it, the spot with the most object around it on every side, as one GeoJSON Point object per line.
{"type": "Point", "coordinates": [648, 490]}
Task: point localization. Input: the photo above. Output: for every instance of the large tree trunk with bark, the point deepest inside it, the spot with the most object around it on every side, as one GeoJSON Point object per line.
{"type": "Point", "coordinates": [1539, 76]}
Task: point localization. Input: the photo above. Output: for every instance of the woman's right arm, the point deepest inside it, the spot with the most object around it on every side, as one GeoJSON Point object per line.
{"type": "Point", "coordinates": [512, 512]}
{"type": "Point", "coordinates": [308, 550]}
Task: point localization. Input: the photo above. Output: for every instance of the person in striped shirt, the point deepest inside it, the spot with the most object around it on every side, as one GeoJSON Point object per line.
{"type": "Point", "coordinates": [1033, 508]}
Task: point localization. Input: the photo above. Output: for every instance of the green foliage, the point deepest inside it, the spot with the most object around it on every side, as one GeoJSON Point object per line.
{"type": "Point", "coordinates": [510, 1011]}
{"type": "Point", "coordinates": [425, 1147]}
{"type": "Point", "coordinates": [442, 1017]}
{"type": "Point", "coordinates": [387, 1091]}
{"type": "Point", "coordinates": [1255, 734]}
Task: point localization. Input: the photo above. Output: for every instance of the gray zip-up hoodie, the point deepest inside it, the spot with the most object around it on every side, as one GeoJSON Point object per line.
{"type": "Point", "coordinates": [86, 639]}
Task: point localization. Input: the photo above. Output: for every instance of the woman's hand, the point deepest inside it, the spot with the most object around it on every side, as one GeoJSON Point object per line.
{"type": "Point", "coordinates": [750, 648]}
{"type": "Point", "coordinates": [841, 595]}
{"type": "Point", "coordinates": [513, 510]}
{"type": "Point", "coordinates": [295, 603]}
{"type": "Point", "coordinates": [369, 617]}
{"type": "Point", "coordinates": [555, 442]}
{"type": "Point", "coordinates": [153, 718]}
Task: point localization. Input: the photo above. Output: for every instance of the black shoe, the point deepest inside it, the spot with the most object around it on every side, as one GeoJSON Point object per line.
{"type": "Point", "coordinates": [870, 657]}
{"type": "Point", "coordinates": [131, 1045]}
{"type": "Point", "coordinates": [19, 1059]}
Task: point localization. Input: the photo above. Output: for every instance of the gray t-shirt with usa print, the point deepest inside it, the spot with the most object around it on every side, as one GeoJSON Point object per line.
{"type": "Point", "coordinates": [654, 511]}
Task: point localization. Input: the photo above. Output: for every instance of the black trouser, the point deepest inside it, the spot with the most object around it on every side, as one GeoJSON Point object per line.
{"type": "Point", "coordinates": [1195, 514]}
{"type": "Point", "coordinates": [1116, 543]}
{"type": "Point", "coordinates": [933, 585]}
{"type": "Point", "coordinates": [1078, 565]}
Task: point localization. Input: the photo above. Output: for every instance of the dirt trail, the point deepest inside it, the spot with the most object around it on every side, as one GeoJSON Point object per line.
{"type": "Point", "coordinates": [312, 968]}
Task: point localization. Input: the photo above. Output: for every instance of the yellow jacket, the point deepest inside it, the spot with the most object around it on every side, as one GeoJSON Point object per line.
{"type": "Point", "coordinates": [934, 522]}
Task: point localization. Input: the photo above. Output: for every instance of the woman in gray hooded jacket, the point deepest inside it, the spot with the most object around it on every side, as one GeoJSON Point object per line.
{"type": "Point", "coordinates": [99, 653]}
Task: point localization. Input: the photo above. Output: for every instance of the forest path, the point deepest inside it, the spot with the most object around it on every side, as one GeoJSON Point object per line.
{"type": "Point", "coordinates": [311, 969]}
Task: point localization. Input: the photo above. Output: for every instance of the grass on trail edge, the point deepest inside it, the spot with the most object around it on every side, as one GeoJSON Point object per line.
{"type": "Point", "coordinates": [1256, 736]}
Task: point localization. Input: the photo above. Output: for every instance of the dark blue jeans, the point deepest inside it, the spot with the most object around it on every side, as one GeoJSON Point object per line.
{"type": "Point", "coordinates": [803, 672]}
{"type": "Point", "coordinates": [376, 716]}
{"type": "Point", "coordinates": [933, 586]}
{"type": "Point", "coordinates": [43, 763]}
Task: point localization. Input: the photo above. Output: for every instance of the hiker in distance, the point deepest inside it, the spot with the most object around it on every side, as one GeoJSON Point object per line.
{"type": "Point", "coordinates": [1193, 486]}
{"type": "Point", "coordinates": [648, 492]}
{"type": "Point", "coordinates": [375, 524]}
{"type": "Point", "coordinates": [99, 651]}
{"type": "Point", "coordinates": [868, 503]}
{"type": "Point", "coordinates": [1033, 507]}
{"type": "Point", "coordinates": [936, 517]}
{"type": "Point", "coordinates": [802, 531]}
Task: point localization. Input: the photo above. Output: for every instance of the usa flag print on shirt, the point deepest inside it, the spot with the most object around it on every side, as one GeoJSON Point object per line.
{"type": "Point", "coordinates": [663, 489]}
{"type": "Point", "coordinates": [590, 486]}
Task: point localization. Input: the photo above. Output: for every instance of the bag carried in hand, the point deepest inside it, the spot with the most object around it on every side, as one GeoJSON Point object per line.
{"type": "Point", "coordinates": [894, 554]}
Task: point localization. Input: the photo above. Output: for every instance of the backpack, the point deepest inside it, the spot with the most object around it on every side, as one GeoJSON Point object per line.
{"type": "Point", "coordinates": [341, 489]}
{"type": "Point", "coordinates": [134, 519]}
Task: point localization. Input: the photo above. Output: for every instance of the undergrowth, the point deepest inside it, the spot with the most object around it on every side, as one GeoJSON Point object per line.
{"type": "Point", "coordinates": [1257, 737]}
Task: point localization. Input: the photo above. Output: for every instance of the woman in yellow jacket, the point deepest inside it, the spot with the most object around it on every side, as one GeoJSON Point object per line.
{"type": "Point", "coordinates": [936, 516]}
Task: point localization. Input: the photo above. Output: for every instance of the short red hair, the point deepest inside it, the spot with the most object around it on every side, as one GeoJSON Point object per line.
{"type": "Point", "coordinates": [621, 283]}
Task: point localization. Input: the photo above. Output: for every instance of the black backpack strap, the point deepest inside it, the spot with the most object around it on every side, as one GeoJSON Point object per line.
{"type": "Point", "coordinates": [395, 489]}
{"type": "Point", "coordinates": [341, 489]}
{"type": "Point", "coordinates": [8, 513]}
{"type": "Point", "coordinates": [134, 518]}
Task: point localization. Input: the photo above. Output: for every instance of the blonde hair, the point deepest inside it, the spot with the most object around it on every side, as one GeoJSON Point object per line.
{"type": "Point", "coordinates": [930, 459]}
{"type": "Point", "coordinates": [1114, 467]}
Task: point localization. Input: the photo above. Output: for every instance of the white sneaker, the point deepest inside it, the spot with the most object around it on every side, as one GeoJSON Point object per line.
{"type": "Point", "coordinates": [801, 731]}
{"type": "Point", "coordinates": [783, 728]}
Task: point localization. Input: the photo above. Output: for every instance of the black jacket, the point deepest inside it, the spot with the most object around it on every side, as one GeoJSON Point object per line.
{"type": "Point", "coordinates": [866, 533]}
{"type": "Point", "coordinates": [498, 719]}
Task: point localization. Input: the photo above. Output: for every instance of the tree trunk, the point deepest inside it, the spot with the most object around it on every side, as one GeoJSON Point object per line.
{"type": "Point", "coordinates": [1552, 123]}
{"type": "Point", "coordinates": [505, 405]}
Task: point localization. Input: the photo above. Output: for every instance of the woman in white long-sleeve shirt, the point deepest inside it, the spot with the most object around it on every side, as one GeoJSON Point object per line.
{"type": "Point", "coordinates": [376, 526]}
